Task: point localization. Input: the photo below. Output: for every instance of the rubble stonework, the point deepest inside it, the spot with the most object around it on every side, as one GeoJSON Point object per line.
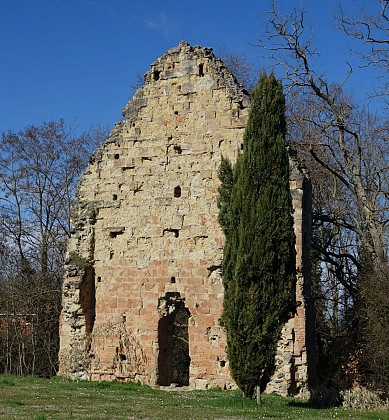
{"type": "Point", "coordinates": [143, 294]}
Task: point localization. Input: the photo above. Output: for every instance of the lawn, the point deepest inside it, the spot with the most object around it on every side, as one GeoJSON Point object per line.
{"type": "Point", "coordinates": [36, 398]}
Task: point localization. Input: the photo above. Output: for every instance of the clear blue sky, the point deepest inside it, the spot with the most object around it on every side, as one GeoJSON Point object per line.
{"type": "Point", "coordinates": [77, 59]}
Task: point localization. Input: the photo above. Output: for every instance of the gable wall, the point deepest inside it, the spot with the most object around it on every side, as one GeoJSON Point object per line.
{"type": "Point", "coordinates": [146, 217]}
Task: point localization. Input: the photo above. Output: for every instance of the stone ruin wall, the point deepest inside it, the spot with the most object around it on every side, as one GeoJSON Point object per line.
{"type": "Point", "coordinates": [146, 247]}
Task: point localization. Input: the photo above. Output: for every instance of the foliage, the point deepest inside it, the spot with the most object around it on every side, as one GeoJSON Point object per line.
{"type": "Point", "coordinates": [373, 318]}
{"type": "Point", "coordinates": [226, 176]}
{"type": "Point", "coordinates": [259, 257]}
{"type": "Point", "coordinates": [78, 260]}
{"type": "Point", "coordinates": [363, 399]}
{"type": "Point", "coordinates": [30, 397]}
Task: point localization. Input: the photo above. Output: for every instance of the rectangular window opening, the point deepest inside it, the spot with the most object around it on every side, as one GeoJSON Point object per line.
{"type": "Point", "coordinates": [201, 70]}
{"type": "Point", "coordinates": [176, 232]}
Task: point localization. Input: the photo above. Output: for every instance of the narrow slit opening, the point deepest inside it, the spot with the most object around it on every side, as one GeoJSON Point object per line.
{"type": "Point", "coordinates": [201, 70]}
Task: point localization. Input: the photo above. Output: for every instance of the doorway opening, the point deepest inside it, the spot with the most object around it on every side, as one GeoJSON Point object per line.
{"type": "Point", "coordinates": [173, 340]}
{"type": "Point", "coordinates": [88, 298]}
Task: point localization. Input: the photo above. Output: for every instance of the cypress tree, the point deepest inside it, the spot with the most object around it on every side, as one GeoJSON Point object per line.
{"type": "Point", "coordinates": [255, 212]}
{"type": "Point", "coordinates": [226, 176]}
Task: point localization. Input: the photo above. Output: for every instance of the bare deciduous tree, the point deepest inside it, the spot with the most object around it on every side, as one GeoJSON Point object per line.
{"type": "Point", "coordinates": [240, 66]}
{"type": "Point", "coordinates": [370, 30]}
{"type": "Point", "coordinates": [346, 148]}
{"type": "Point", "coordinates": [39, 168]}
{"type": "Point", "coordinates": [348, 142]}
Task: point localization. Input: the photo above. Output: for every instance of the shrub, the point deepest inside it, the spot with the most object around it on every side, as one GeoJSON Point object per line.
{"type": "Point", "coordinates": [363, 399]}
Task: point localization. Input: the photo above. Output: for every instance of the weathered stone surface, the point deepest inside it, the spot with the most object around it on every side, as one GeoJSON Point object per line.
{"type": "Point", "coordinates": [145, 221]}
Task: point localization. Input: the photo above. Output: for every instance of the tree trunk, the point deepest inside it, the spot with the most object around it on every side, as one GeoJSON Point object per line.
{"type": "Point", "coordinates": [258, 392]}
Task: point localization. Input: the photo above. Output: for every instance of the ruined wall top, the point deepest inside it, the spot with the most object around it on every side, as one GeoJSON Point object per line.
{"type": "Point", "coordinates": [182, 61]}
{"type": "Point", "coordinates": [185, 63]}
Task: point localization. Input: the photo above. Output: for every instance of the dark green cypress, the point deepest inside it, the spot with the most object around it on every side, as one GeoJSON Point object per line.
{"type": "Point", "coordinates": [255, 212]}
{"type": "Point", "coordinates": [226, 177]}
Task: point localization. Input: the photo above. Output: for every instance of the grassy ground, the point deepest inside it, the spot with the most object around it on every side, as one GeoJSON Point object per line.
{"type": "Point", "coordinates": [35, 398]}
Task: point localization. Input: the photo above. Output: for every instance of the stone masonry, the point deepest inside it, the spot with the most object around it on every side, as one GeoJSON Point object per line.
{"type": "Point", "coordinates": [142, 294]}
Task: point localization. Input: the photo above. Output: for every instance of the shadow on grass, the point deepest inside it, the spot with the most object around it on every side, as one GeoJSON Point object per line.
{"type": "Point", "coordinates": [319, 401]}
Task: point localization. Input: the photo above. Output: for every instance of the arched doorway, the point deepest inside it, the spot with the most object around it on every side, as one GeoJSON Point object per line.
{"type": "Point", "coordinates": [173, 340]}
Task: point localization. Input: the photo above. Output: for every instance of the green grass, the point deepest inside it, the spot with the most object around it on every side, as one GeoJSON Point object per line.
{"type": "Point", "coordinates": [36, 398]}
